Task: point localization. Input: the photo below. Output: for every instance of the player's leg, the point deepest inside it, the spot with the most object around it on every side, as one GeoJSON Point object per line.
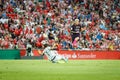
{"type": "Point", "coordinates": [31, 53]}
{"type": "Point", "coordinates": [27, 53]}
{"type": "Point", "coordinates": [60, 58]}
{"type": "Point", "coordinates": [64, 58]}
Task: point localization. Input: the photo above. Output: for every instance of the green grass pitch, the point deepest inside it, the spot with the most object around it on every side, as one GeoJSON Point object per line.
{"type": "Point", "coordinates": [73, 70]}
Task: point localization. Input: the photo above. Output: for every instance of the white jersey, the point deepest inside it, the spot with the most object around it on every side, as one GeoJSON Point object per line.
{"type": "Point", "coordinates": [29, 46]}
{"type": "Point", "coordinates": [49, 53]}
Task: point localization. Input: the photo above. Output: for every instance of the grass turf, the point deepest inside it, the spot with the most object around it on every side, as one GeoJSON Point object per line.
{"type": "Point", "coordinates": [73, 70]}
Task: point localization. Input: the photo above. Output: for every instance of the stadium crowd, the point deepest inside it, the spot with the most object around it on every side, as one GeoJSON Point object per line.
{"type": "Point", "coordinates": [51, 20]}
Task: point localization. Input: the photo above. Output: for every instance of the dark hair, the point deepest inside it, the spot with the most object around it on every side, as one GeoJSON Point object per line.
{"type": "Point", "coordinates": [29, 41]}
{"type": "Point", "coordinates": [45, 45]}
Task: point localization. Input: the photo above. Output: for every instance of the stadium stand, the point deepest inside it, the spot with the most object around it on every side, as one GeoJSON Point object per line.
{"type": "Point", "coordinates": [39, 20]}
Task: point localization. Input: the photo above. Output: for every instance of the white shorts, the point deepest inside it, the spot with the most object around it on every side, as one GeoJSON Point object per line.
{"type": "Point", "coordinates": [57, 57]}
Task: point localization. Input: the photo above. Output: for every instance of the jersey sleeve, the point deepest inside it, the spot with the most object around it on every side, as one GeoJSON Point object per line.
{"type": "Point", "coordinates": [46, 50]}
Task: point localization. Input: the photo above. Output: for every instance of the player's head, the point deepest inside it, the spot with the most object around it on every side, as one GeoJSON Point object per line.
{"type": "Point", "coordinates": [29, 41]}
{"type": "Point", "coordinates": [46, 45]}
{"type": "Point", "coordinates": [76, 21]}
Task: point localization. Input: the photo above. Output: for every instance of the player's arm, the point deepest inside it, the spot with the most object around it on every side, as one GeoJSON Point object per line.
{"type": "Point", "coordinates": [54, 48]}
{"type": "Point", "coordinates": [83, 29]}
{"type": "Point", "coordinates": [40, 52]}
{"type": "Point", "coordinates": [73, 31]}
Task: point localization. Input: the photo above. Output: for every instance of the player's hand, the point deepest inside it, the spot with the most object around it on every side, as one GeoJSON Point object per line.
{"type": "Point", "coordinates": [39, 52]}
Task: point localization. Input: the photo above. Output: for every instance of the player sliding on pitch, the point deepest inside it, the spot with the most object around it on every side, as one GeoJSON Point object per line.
{"type": "Point", "coordinates": [53, 55]}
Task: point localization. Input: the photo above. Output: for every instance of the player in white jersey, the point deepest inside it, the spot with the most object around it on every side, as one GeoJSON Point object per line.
{"type": "Point", "coordinates": [52, 54]}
